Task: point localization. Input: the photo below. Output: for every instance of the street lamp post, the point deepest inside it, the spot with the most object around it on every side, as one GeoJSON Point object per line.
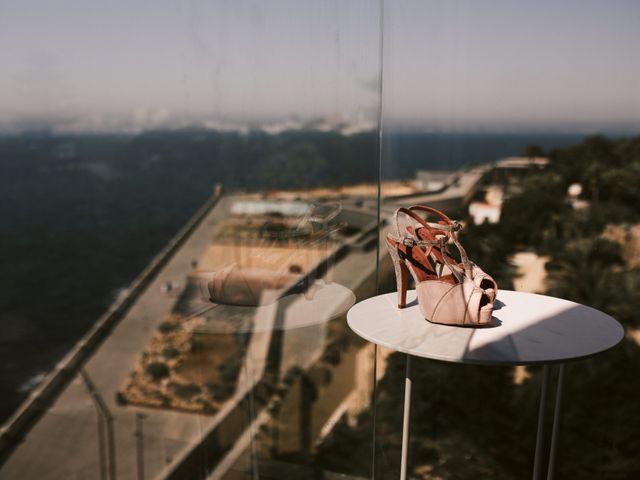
{"type": "Point", "coordinates": [107, 418]}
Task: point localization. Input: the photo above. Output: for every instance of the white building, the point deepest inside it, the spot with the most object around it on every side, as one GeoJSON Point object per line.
{"type": "Point", "coordinates": [434, 180]}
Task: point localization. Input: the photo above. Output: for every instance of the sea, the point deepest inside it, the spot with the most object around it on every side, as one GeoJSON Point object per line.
{"type": "Point", "coordinates": [79, 219]}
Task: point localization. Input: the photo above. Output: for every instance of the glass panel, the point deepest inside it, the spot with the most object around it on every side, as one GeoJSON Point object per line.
{"type": "Point", "coordinates": [490, 111]}
{"type": "Point", "coordinates": [190, 198]}
{"type": "Point", "coordinates": [228, 152]}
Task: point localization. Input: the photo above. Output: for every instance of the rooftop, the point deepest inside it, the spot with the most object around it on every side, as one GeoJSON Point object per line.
{"type": "Point", "coordinates": [522, 162]}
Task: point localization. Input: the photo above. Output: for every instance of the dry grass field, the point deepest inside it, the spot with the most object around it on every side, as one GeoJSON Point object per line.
{"type": "Point", "coordinates": [275, 258]}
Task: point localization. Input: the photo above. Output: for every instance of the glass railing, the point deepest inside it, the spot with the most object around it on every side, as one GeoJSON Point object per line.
{"type": "Point", "coordinates": [192, 197]}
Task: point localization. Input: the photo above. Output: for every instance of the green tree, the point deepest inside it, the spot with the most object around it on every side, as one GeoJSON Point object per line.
{"type": "Point", "coordinates": [535, 217]}
{"type": "Point", "coordinates": [588, 270]}
{"type": "Point", "coordinates": [533, 151]}
{"type": "Point", "coordinates": [157, 371]}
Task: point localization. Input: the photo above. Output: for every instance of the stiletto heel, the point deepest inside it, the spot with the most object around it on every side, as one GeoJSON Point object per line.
{"type": "Point", "coordinates": [402, 276]}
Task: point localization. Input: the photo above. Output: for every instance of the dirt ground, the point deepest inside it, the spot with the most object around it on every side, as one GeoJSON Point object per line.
{"type": "Point", "coordinates": [628, 236]}
{"type": "Point", "coordinates": [391, 187]}
{"type": "Point", "coordinates": [202, 367]}
{"type": "Point", "coordinates": [531, 274]}
{"type": "Point", "coordinates": [275, 258]}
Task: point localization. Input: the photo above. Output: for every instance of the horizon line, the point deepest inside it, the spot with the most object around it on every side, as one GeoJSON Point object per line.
{"type": "Point", "coordinates": [52, 132]}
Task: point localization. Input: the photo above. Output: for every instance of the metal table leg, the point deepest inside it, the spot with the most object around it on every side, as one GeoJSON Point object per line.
{"type": "Point", "coordinates": [539, 453]}
{"type": "Point", "coordinates": [555, 432]}
{"type": "Point", "coordinates": [405, 420]}
{"type": "Point", "coordinates": [537, 463]}
{"type": "Point", "coordinates": [374, 410]}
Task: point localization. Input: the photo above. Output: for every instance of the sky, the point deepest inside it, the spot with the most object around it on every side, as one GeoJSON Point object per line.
{"type": "Point", "coordinates": [447, 65]}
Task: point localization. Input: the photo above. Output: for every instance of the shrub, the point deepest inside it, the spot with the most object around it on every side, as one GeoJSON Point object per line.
{"type": "Point", "coordinates": [121, 399]}
{"type": "Point", "coordinates": [185, 391]}
{"type": "Point", "coordinates": [220, 391]}
{"type": "Point", "coordinates": [170, 352]}
{"type": "Point", "coordinates": [157, 371]}
{"type": "Point", "coordinates": [292, 375]}
{"type": "Point", "coordinates": [332, 356]}
{"type": "Point", "coordinates": [168, 327]}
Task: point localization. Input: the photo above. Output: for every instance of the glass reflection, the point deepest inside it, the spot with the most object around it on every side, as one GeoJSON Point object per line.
{"type": "Point", "coordinates": [207, 177]}
{"type": "Point", "coordinates": [189, 205]}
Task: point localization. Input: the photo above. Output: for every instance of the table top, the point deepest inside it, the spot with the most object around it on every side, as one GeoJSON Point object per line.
{"type": "Point", "coordinates": [526, 329]}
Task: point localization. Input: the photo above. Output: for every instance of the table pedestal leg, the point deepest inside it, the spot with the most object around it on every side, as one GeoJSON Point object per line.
{"type": "Point", "coordinates": [537, 463]}
{"type": "Point", "coordinates": [405, 421]}
{"type": "Point", "coordinates": [555, 432]}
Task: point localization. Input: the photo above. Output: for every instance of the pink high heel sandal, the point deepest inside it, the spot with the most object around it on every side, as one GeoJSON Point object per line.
{"type": "Point", "coordinates": [480, 277]}
{"type": "Point", "coordinates": [446, 292]}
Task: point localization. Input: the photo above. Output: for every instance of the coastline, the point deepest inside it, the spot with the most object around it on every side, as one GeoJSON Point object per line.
{"type": "Point", "coordinates": [13, 430]}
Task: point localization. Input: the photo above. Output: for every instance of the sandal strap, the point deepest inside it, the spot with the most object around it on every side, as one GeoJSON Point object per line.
{"type": "Point", "coordinates": [452, 227]}
{"type": "Point", "coordinates": [449, 228]}
{"type": "Point", "coordinates": [410, 213]}
{"type": "Point", "coordinates": [410, 241]}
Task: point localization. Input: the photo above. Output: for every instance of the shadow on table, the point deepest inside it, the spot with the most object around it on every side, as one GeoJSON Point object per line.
{"type": "Point", "coordinates": [576, 332]}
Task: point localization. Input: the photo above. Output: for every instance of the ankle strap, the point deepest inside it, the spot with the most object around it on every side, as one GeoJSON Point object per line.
{"type": "Point", "coordinates": [414, 240]}
{"type": "Point", "coordinates": [424, 208]}
{"type": "Point", "coordinates": [450, 227]}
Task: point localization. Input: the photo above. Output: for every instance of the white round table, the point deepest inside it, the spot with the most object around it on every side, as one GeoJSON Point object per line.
{"type": "Point", "coordinates": [526, 329]}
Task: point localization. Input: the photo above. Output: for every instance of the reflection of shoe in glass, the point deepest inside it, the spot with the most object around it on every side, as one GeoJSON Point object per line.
{"type": "Point", "coordinates": [434, 230]}
{"type": "Point", "coordinates": [233, 285]}
{"type": "Point", "coordinates": [445, 293]}
{"type": "Point", "coordinates": [321, 219]}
